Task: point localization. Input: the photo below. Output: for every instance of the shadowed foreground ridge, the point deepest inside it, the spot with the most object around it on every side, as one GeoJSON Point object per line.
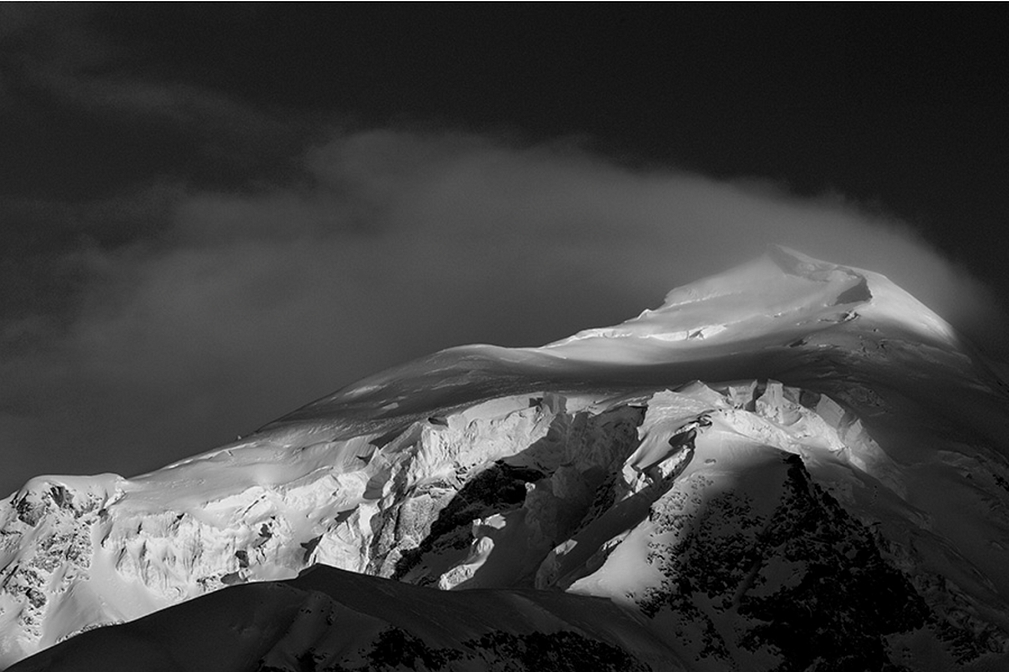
{"type": "Point", "coordinates": [792, 465]}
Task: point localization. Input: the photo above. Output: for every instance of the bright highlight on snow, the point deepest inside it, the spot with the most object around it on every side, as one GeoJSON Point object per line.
{"type": "Point", "coordinates": [790, 465]}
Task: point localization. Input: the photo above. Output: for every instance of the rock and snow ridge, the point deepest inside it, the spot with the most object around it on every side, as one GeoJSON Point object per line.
{"type": "Point", "coordinates": [835, 491]}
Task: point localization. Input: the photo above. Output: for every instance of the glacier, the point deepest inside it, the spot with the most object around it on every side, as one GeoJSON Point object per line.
{"type": "Point", "coordinates": [792, 465]}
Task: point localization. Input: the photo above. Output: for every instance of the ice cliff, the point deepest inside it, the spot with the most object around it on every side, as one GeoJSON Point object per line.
{"type": "Point", "coordinates": [788, 466]}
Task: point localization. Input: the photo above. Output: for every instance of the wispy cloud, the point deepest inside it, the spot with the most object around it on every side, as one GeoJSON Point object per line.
{"type": "Point", "coordinates": [62, 55]}
{"type": "Point", "coordinates": [243, 306]}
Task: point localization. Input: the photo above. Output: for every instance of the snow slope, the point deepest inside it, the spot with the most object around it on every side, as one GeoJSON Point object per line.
{"type": "Point", "coordinates": [332, 619]}
{"type": "Point", "coordinates": [836, 489]}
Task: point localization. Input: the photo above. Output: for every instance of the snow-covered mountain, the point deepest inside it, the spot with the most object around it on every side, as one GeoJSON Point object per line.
{"type": "Point", "coordinates": [792, 465]}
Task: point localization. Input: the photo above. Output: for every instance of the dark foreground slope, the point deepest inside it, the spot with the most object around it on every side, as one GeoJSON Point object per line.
{"type": "Point", "coordinates": [329, 619]}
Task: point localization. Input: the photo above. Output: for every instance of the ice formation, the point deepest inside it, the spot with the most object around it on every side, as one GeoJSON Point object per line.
{"type": "Point", "coordinates": [787, 465]}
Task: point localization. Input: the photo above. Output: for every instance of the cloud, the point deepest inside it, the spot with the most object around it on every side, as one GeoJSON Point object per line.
{"type": "Point", "coordinates": [242, 306]}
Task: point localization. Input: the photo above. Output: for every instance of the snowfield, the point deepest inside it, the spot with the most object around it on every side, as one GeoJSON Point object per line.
{"type": "Point", "coordinates": [792, 465]}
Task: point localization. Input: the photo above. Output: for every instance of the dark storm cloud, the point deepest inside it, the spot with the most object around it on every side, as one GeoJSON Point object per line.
{"type": "Point", "coordinates": [242, 306]}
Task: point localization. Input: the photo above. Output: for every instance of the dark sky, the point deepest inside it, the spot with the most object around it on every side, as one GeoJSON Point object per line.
{"type": "Point", "coordinates": [213, 214]}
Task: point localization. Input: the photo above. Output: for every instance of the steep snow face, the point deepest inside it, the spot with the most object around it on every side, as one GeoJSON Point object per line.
{"type": "Point", "coordinates": [857, 448]}
{"type": "Point", "coordinates": [46, 550]}
{"type": "Point", "coordinates": [83, 552]}
{"type": "Point", "coordinates": [633, 497]}
{"type": "Point", "coordinates": [708, 514]}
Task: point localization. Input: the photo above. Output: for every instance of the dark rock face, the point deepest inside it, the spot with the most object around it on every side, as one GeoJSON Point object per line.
{"type": "Point", "coordinates": [497, 651]}
{"type": "Point", "coordinates": [846, 600]}
{"type": "Point", "coordinates": [563, 651]}
{"type": "Point", "coordinates": [806, 585]}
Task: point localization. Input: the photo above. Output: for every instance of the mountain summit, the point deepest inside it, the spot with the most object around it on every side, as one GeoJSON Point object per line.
{"type": "Point", "coordinates": [793, 465]}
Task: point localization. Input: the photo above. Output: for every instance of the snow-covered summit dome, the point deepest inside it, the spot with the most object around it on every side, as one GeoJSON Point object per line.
{"type": "Point", "coordinates": [780, 295]}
